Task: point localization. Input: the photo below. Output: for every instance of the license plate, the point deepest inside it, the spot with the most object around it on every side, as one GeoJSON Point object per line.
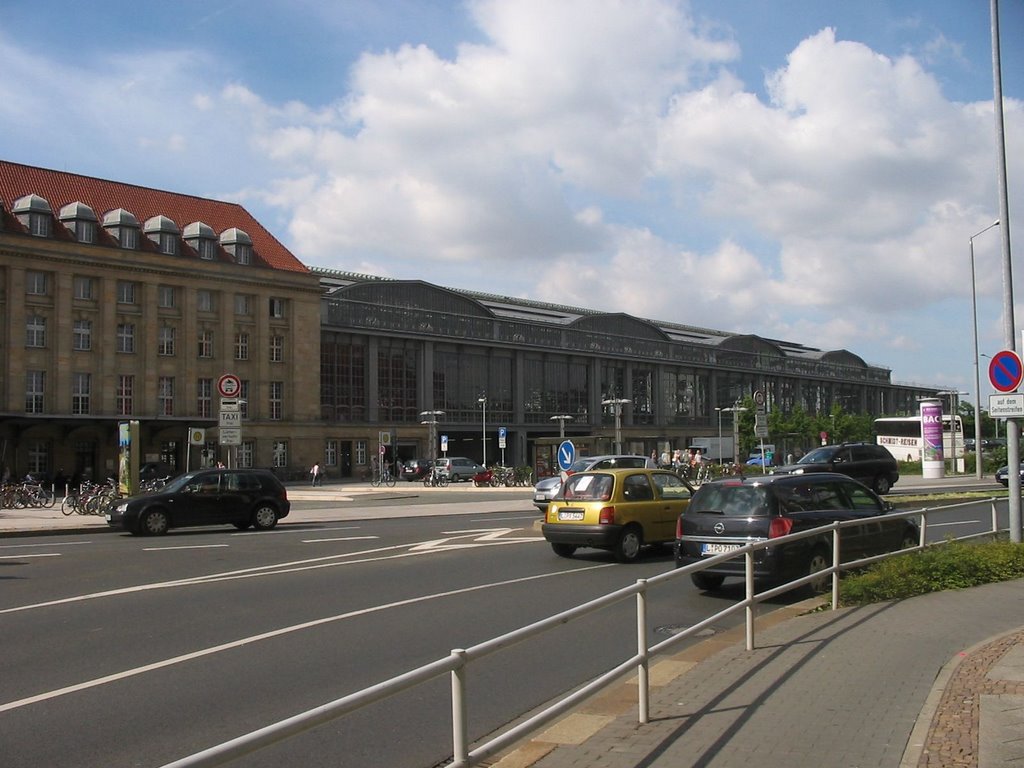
{"type": "Point", "coordinates": [108, 518]}
{"type": "Point", "coordinates": [570, 514]}
{"type": "Point", "coordinates": [540, 497]}
{"type": "Point", "coordinates": [718, 549]}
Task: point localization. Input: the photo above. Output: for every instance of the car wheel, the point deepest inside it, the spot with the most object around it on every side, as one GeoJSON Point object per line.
{"type": "Point", "coordinates": [627, 548]}
{"type": "Point", "coordinates": [154, 523]}
{"type": "Point", "coordinates": [911, 539]}
{"type": "Point", "coordinates": [706, 581]}
{"type": "Point", "coordinates": [819, 562]}
{"type": "Point", "coordinates": [882, 485]}
{"type": "Point", "coordinates": [264, 518]}
{"type": "Point", "coordinates": [563, 550]}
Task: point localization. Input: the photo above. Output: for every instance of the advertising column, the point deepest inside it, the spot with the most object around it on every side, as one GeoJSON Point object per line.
{"type": "Point", "coordinates": [933, 464]}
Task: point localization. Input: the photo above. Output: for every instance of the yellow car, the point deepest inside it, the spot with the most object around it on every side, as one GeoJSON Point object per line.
{"type": "Point", "coordinates": [616, 509]}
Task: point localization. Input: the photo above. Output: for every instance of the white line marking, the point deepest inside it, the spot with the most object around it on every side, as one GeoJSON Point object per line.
{"type": "Point", "coordinates": [341, 538]}
{"type": "Point", "coordinates": [190, 546]}
{"type": "Point", "coordinates": [21, 557]}
{"type": "Point", "coordinates": [96, 682]}
{"type": "Point", "coordinates": [960, 522]}
{"type": "Point", "coordinates": [47, 544]}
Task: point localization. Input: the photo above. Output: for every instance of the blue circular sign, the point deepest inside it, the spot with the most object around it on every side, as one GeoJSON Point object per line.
{"type": "Point", "coordinates": [566, 455]}
{"type": "Point", "coordinates": [1005, 371]}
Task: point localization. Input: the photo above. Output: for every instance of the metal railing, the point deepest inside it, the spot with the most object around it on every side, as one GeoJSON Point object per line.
{"type": "Point", "coordinates": [456, 664]}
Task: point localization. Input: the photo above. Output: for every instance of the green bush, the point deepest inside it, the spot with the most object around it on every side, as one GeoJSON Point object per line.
{"type": "Point", "coordinates": [954, 565]}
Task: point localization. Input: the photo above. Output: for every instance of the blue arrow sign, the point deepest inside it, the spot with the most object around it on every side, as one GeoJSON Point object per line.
{"type": "Point", "coordinates": [1005, 371]}
{"type": "Point", "coordinates": [566, 455]}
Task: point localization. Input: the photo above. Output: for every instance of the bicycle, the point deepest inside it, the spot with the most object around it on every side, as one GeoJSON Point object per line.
{"type": "Point", "coordinates": [436, 478]}
{"type": "Point", "coordinates": [384, 477]}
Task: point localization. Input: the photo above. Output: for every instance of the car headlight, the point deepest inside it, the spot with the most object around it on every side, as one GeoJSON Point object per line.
{"type": "Point", "coordinates": [798, 471]}
{"type": "Point", "coordinates": [122, 508]}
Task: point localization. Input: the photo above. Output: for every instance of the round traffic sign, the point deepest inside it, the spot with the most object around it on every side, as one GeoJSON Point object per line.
{"type": "Point", "coordinates": [229, 385]}
{"type": "Point", "coordinates": [566, 455]}
{"type": "Point", "coordinates": [1005, 371]}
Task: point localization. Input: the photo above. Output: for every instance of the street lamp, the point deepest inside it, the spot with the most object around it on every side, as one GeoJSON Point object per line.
{"type": "Point", "coordinates": [429, 418]}
{"type": "Point", "coordinates": [735, 429]}
{"type": "Point", "coordinates": [978, 455]}
{"type": "Point", "coordinates": [617, 402]}
{"type": "Point", "coordinates": [561, 424]}
{"type": "Point", "coordinates": [483, 432]}
{"type": "Point", "coordinates": [954, 408]}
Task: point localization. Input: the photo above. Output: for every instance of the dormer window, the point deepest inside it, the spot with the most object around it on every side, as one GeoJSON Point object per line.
{"type": "Point", "coordinates": [238, 244]}
{"type": "Point", "coordinates": [164, 232]}
{"type": "Point", "coordinates": [35, 215]}
{"type": "Point", "coordinates": [202, 238]}
{"type": "Point", "coordinates": [80, 221]}
{"type": "Point", "coordinates": [123, 227]}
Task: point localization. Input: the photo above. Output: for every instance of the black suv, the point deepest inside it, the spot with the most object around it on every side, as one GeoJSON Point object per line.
{"type": "Point", "coordinates": [240, 497]}
{"type": "Point", "coordinates": [726, 514]}
{"type": "Point", "coordinates": [872, 464]}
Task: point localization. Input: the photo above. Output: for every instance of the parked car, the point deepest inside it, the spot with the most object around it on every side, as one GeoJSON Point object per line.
{"type": "Point", "coordinates": [416, 469]}
{"type": "Point", "coordinates": [872, 464]}
{"type": "Point", "coordinates": [726, 514]}
{"type": "Point", "coordinates": [239, 497]}
{"type": "Point", "coordinates": [616, 509]}
{"type": "Point", "coordinates": [1003, 475]}
{"type": "Point", "coordinates": [458, 468]}
{"type": "Point", "coordinates": [547, 488]}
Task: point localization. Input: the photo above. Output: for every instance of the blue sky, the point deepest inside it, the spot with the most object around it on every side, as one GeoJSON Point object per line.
{"type": "Point", "coordinates": [809, 170]}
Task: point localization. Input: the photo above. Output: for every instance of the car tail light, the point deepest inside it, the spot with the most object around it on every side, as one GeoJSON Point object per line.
{"type": "Point", "coordinates": [780, 526]}
{"type": "Point", "coordinates": [679, 527]}
{"type": "Point", "coordinates": [606, 516]}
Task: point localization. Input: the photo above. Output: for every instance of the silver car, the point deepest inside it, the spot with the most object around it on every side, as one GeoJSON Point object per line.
{"type": "Point", "coordinates": [546, 489]}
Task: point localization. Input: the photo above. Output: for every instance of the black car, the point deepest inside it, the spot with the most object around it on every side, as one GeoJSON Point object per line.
{"type": "Point", "coordinates": [871, 464]}
{"type": "Point", "coordinates": [416, 469]}
{"type": "Point", "coordinates": [726, 514]}
{"type": "Point", "coordinates": [1003, 475]}
{"type": "Point", "coordinates": [239, 497]}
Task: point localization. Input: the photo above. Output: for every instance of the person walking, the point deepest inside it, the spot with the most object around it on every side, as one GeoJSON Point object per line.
{"type": "Point", "coordinates": [314, 474]}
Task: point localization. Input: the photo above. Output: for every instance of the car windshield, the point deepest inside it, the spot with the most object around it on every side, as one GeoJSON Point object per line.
{"type": "Point", "coordinates": [588, 488]}
{"type": "Point", "coordinates": [179, 482]}
{"type": "Point", "coordinates": [731, 500]}
{"type": "Point", "coordinates": [818, 456]}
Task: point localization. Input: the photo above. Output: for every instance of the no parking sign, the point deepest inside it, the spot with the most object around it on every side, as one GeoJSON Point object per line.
{"type": "Point", "coordinates": [1005, 371]}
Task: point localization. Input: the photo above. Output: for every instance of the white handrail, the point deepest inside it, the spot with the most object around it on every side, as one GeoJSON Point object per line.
{"type": "Point", "coordinates": [458, 660]}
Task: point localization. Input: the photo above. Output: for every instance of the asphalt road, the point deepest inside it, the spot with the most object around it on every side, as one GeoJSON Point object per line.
{"type": "Point", "coordinates": [128, 651]}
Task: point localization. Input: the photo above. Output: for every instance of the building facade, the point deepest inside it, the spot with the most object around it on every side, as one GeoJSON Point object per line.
{"type": "Point", "coordinates": [123, 303]}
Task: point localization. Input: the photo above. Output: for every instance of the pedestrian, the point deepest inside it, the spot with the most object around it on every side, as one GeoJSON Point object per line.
{"type": "Point", "coordinates": [314, 474]}
{"type": "Point", "coordinates": [654, 458]}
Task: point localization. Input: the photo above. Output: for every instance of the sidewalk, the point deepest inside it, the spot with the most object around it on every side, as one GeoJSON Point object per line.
{"type": "Point", "coordinates": [935, 681]}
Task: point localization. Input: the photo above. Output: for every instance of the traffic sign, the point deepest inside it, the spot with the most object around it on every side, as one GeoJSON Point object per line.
{"type": "Point", "coordinates": [502, 436]}
{"type": "Point", "coordinates": [229, 385]}
{"type": "Point", "coordinates": [230, 419]}
{"type": "Point", "coordinates": [1005, 371]}
{"type": "Point", "coordinates": [230, 436]}
{"type": "Point", "coordinates": [566, 455]}
{"type": "Point", "coordinates": [1010, 406]}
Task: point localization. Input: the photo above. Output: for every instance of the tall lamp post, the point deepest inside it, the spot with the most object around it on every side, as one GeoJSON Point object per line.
{"type": "Point", "coordinates": [978, 454]}
{"type": "Point", "coordinates": [561, 424]}
{"type": "Point", "coordinates": [617, 403]}
{"type": "Point", "coordinates": [721, 460]}
{"type": "Point", "coordinates": [735, 427]}
{"type": "Point", "coordinates": [483, 432]}
{"type": "Point", "coordinates": [429, 418]}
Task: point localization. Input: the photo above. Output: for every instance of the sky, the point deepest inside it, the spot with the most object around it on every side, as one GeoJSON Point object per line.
{"type": "Point", "coordinates": [804, 170]}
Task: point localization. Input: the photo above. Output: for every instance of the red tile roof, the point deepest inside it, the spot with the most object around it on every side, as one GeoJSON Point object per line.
{"type": "Point", "coordinates": [60, 188]}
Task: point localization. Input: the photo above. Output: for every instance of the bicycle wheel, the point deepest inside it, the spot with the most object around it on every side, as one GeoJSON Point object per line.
{"type": "Point", "coordinates": [67, 505]}
{"type": "Point", "coordinates": [389, 479]}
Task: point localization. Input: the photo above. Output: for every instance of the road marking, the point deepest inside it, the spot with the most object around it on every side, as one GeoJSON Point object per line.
{"type": "Point", "coordinates": [301, 528]}
{"type": "Point", "coordinates": [96, 682]}
{"type": "Point", "coordinates": [340, 538]}
{"type": "Point", "coordinates": [47, 544]}
{"type": "Point", "coordinates": [327, 561]}
{"type": "Point", "coordinates": [190, 546]}
{"type": "Point", "coordinates": [22, 557]}
{"type": "Point", "coordinates": [961, 522]}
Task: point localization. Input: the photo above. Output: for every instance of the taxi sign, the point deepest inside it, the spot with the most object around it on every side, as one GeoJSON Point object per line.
{"type": "Point", "coordinates": [1005, 371]}
{"type": "Point", "coordinates": [566, 455]}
